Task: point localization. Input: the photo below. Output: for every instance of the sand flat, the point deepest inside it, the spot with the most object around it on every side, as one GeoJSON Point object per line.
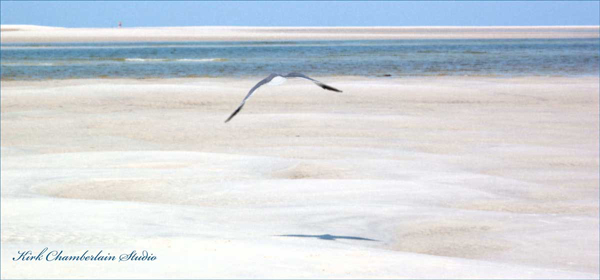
{"type": "Point", "coordinates": [427, 177]}
{"type": "Point", "coordinates": [43, 34]}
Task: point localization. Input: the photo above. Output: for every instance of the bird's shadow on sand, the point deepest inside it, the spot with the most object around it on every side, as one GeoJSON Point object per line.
{"type": "Point", "coordinates": [328, 237]}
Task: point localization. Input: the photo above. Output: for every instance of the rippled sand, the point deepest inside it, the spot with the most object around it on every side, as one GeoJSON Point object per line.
{"type": "Point", "coordinates": [434, 177]}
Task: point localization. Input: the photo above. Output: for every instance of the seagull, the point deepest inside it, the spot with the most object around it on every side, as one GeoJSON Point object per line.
{"type": "Point", "coordinates": [277, 79]}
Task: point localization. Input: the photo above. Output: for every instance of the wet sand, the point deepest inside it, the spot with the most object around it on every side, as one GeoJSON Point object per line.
{"type": "Point", "coordinates": [430, 177]}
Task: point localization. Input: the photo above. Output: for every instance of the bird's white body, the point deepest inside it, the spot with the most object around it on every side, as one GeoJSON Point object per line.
{"type": "Point", "coordinates": [277, 81]}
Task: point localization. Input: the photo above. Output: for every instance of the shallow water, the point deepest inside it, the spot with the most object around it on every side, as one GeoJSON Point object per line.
{"type": "Point", "coordinates": [506, 57]}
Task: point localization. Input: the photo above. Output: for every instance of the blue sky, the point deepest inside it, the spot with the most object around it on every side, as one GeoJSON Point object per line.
{"type": "Point", "coordinates": [299, 13]}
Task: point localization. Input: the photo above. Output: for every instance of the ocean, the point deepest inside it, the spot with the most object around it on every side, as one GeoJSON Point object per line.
{"type": "Point", "coordinates": [385, 58]}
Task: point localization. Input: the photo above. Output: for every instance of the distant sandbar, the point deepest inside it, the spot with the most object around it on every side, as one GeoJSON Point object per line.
{"type": "Point", "coordinates": [44, 34]}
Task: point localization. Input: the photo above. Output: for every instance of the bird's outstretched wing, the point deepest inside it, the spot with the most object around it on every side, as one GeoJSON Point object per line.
{"type": "Point", "coordinates": [259, 84]}
{"type": "Point", "coordinates": [299, 75]}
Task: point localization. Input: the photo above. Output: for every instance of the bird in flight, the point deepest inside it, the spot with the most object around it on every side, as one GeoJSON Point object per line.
{"type": "Point", "coordinates": [277, 79]}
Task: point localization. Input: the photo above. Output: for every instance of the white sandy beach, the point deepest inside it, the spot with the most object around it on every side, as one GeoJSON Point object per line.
{"type": "Point", "coordinates": [39, 34]}
{"type": "Point", "coordinates": [432, 177]}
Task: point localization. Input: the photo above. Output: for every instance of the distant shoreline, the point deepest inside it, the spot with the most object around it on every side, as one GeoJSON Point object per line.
{"type": "Point", "coordinates": [44, 34]}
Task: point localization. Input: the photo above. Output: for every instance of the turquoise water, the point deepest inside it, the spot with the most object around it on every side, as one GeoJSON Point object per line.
{"type": "Point", "coordinates": [552, 57]}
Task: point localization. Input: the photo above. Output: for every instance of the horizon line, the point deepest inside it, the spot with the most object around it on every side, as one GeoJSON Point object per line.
{"type": "Point", "coordinates": [314, 26]}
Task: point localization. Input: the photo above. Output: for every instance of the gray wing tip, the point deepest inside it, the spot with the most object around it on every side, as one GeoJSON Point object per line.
{"type": "Point", "coordinates": [324, 86]}
{"type": "Point", "coordinates": [234, 113]}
